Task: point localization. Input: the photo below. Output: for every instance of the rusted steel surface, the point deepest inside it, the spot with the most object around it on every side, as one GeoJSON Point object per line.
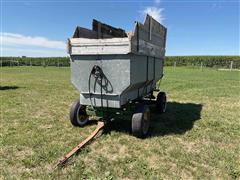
{"type": "Point", "coordinates": [100, 125]}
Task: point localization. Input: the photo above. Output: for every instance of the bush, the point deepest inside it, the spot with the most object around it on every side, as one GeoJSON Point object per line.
{"type": "Point", "coordinates": [35, 61]}
{"type": "Point", "coordinates": [208, 61]}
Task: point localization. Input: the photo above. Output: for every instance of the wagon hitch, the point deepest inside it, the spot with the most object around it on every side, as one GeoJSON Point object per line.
{"type": "Point", "coordinates": [62, 161]}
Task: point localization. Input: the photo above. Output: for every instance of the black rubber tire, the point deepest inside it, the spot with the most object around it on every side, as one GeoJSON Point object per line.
{"type": "Point", "coordinates": [141, 121]}
{"type": "Point", "coordinates": [161, 102]}
{"type": "Point", "coordinates": [76, 111]}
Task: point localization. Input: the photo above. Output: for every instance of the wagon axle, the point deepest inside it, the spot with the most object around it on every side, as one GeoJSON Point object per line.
{"type": "Point", "coordinates": [138, 111]}
{"type": "Point", "coordinates": [79, 116]}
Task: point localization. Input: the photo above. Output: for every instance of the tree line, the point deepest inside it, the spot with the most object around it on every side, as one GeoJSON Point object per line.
{"type": "Point", "coordinates": [206, 61]}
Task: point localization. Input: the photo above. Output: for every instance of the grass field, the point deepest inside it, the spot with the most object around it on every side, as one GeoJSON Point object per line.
{"type": "Point", "coordinates": [198, 136]}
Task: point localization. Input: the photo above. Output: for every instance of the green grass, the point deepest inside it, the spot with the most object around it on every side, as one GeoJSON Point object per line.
{"type": "Point", "coordinates": [198, 136]}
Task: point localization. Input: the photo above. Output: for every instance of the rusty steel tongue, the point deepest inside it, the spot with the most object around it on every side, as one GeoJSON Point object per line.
{"type": "Point", "coordinates": [62, 161]}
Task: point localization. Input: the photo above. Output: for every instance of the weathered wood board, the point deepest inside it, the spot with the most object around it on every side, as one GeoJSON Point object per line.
{"type": "Point", "coordinates": [147, 39]}
{"type": "Point", "coordinates": [81, 32]}
{"type": "Point", "coordinates": [102, 28]}
{"type": "Point", "coordinates": [99, 46]}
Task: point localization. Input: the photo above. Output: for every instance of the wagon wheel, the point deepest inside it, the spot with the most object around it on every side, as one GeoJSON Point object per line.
{"type": "Point", "coordinates": [161, 102]}
{"type": "Point", "coordinates": [78, 114]}
{"type": "Point", "coordinates": [141, 121]}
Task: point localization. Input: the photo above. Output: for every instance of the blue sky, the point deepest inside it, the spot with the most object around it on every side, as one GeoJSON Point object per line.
{"type": "Point", "coordinates": [41, 27]}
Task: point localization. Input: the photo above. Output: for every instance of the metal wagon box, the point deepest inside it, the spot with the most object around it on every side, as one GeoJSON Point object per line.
{"type": "Point", "coordinates": [112, 69]}
{"type": "Point", "coordinates": [132, 62]}
{"type": "Point", "coordinates": [116, 73]}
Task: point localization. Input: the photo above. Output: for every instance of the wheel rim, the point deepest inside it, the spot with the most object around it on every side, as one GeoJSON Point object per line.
{"type": "Point", "coordinates": [145, 126]}
{"type": "Point", "coordinates": [82, 116]}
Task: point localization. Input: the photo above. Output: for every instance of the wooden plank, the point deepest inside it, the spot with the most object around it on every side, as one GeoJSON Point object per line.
{"type": "Point", "coordinates": [147, 48]}
{"type": "Point", "coordinates": [99, 32]}
{"type": "Point", "coordinates": [100, 50]}
{"type": "Point", "coordinates": [84, 33]}
{"type": "Point", "coordinates": [100, 125]}
{"type": "Point", "coordinates": [82, 41]}
{"type": "Point", "coordinates": [81, 32]}
{"type": "Point", "coordinates": [156, 38]}
{"type": "Point", "coordinates": [150, 29]}
{"type": "Point", "coordinates": [142, 33]}
{"type": "Point", "coordinates": [156, 26]}
{"type": "Point", "coordinates": [107, 29]}
{"type": "Point", "coordinates": [99, 46]}
{"type": "Point", "coordinates": [158, 31]}
{"type": "Point", "coordinates": [149, 38]}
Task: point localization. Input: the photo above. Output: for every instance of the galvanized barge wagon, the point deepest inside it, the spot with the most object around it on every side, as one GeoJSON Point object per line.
{"type": "Point", "coordinates": [115, 72]}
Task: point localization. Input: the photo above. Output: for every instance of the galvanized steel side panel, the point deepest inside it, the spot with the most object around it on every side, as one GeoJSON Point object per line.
{"type": "Point", "coordinates": [129, 77]}
{"type": "Point", "coordinates": [145, 72]}
{"type": "Point", "coordinates": [116, 69]}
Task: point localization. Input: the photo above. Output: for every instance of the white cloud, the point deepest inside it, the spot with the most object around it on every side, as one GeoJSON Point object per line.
{"type": "Point", "coordinates": [18, 39]}
{"type": "Point", "coordinates": [155, 12]}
